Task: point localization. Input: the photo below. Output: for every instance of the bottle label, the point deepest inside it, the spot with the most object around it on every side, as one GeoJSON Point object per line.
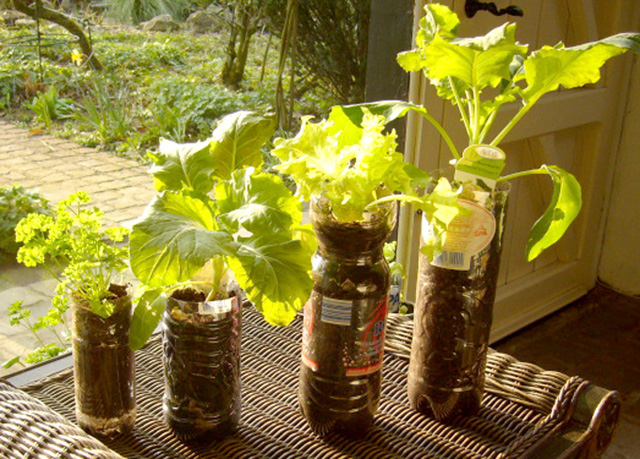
{"type": "Point", "coordinates": [394, 296]}
{"type": "Point", "coordinates": [337, 312]}
{"type": "Point", "coordinates": [480, 162]}
{"type": "Point", "coordinates": [466, 236]}
{"type": "Point", "coordinates": [219, 309]}
{"type": "Point", "coordinates": [337, 346]}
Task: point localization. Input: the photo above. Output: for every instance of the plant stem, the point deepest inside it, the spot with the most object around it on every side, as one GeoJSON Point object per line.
{"type": "Point", "coordinates": [393, 197]}
{"type": "Point", "coordinates": [487, 125]}
{"type": "Point", "coordinates": [443, 133]}
{"type": "Point", "coordinates": [60, 340]}
{"type": "Point", "coordinates": [523, 111]}
{"type": "Point", "coordinates": [542, 171]}
{"type": "Point", "coordinates": [476, 116]}
{"type": "Point", "coordinates": [463, 113]}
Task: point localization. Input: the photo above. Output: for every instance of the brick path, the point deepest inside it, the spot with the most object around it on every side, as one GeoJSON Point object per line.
{"type": "Point", "coordinates": [57, 167]}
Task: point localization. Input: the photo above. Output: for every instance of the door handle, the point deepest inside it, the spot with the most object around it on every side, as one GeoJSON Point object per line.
{"type": "Point", "coordinates": [471, 7]}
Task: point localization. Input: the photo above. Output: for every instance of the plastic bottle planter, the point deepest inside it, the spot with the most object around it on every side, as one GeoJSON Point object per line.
{"type": "Point", "coordinates": [201, 344]}
{"type": "Point", "coordinates": [344, 322]}
{"type": "Point", "coordinates": [454, 311]}
{"type": "Point", "coordinates": [104, 367]}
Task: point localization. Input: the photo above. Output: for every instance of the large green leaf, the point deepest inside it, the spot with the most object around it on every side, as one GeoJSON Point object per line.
{"type": "Point", "coordinates": [563, 209]}
{"type": "Point", "coordinates": [551, 67]}
{"type": "Point", "coordinates": [177, 166]}
{"type": "Point", "coordinates": [174, 237]}
{"type": "Point", "coordinates": [274, 273]}
{"type": "Point", "coordinates": [476, 68]}
{"type": "Point", "coordinates": [146, 316]}
{"type": "Point", "coordinates": [438, 20]}
{"type": "Point", "coordinates": [260, 203]}
{"type": "Point", "coordinates": [236, 141]}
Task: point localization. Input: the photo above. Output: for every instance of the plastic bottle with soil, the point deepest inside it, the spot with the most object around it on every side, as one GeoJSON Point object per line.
{"type": "Point", "coordinates": [104, 367]}
{"type": "Point", "coordinates": [452, 321]}
{"type": "Point", "coordinates": [201, 355]}
{"type": "Point", "coordinates": [344, 322]}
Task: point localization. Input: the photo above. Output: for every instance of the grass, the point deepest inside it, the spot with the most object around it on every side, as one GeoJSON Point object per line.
{"type": "Point", "coordinates": [154, 85]}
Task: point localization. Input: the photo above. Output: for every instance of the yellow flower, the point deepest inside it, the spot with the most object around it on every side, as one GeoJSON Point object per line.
{"type": "Point", "coordinates": [76, 57]}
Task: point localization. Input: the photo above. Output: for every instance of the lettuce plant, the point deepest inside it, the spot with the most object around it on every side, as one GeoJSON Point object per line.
{"type": "Point", "coordinates": [218, 218]}
{"type": "Point", "coordinates": [352, 164]}
{"type": "Point", "coordinates": [464, 70]}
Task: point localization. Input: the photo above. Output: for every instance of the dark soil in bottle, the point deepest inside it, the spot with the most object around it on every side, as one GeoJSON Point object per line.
{"type": "Point", "coordinates": [202, 367]}
{"type": "Point", "coordinates": [344, 325]}
{"type": "Point", "coordinates": [452, 322]}
{"type": "Point", "coordinates": [104, 367]}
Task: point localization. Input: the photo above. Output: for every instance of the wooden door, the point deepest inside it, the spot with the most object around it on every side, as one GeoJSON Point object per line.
{"type": "Point", "coordinates": [575, 129]}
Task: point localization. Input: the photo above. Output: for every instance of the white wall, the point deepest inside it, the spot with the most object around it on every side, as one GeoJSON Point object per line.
{"type": "Point", "coordinates": [620, 260]}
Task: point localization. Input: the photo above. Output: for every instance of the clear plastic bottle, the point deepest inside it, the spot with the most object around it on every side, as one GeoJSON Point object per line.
{"type": "Point", "coordinates": [452, 321]}
{"type": "Point", "coordinates": [104, 367]}
{"type": "Point", "coordinates": [201, 354]}
{"type": "Point", "coordinates": [344, 322]}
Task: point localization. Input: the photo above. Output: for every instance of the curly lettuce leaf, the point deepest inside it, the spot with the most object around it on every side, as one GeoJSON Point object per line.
{"type": "Point", "coordinates": [352, 164]}
{"type": "Point", "coordinates": [562, 211]}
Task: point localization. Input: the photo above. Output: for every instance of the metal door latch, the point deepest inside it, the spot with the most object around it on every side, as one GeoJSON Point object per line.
{"type": "Point", "coordinates": [471, 7]}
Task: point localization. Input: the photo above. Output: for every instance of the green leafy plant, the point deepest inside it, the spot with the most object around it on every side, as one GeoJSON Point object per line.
{"type": "Point", "coordinates": [464, 70]}
{"type": "Point", "coordinates": [49, 107]}
{"type": "Point", "coordinates": [16, 203]}
{"type": "Point", "coordinates": [352, 165]}
{"type": "Point", "coordinates": [394, 265]}
{"type": "Point", "coordinates": [106, 111]}
{"type": "Point", "coordinates": [218, 218]}
{"type": "Point", "coordinates": [73, 247]}
{"type": "Point", "coordinates": [55, 322]}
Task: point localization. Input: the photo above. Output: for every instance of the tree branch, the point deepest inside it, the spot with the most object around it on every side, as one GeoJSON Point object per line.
{"type": "Point", "coordinates": [64, 21]}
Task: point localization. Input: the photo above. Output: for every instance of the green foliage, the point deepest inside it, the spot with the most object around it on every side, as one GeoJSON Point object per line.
{"type": "Point", "coordinates": [16, 202]}
{"type": "Point", "coordinates": [137, 11]}
{"type": "Point", "coordinates": [159, 85]}
{"type": "Point", "coordinates": [390, 255]}
{"type": "Point", "coordinates": [331, 46]}
{"type": "Point", "coordinates": [462, 69]}
{"type": "Point", "coordinates": [49, 107]}
{"type": "Point", "coordinates": [54, 321]}
{"type": "Point", "coordinates": [73, 247]}
{"type": "Point", "coordinates": [106, 113]}
{"type": "Point", "coordinates": [563, 209]}
{"type": "Point", "coordinates": [144, 54]}
{"type": "Point", "coordinates": [217, 213]}
{"type": "Point", "coordinates": [351, 164]}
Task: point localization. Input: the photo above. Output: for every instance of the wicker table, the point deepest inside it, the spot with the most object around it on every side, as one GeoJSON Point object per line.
{"type": "Point", "coordinates": [526, 412]}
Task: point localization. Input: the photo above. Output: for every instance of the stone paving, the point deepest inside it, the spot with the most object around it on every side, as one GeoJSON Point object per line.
{"type": "Point", "coordinates": [56, 167]}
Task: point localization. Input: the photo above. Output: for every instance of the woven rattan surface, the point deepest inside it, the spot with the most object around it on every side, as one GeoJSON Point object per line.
{"type": "Point", "coordinates": [523, 404]}
{"type": "Point", "coordinates": [29, 429]}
